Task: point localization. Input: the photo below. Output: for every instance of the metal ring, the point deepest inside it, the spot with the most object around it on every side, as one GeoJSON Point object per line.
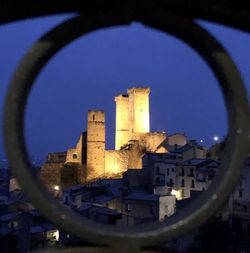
{"type": "Point", "coordinates": [149, 234]}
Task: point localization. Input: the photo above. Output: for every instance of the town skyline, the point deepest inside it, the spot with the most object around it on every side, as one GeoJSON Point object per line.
{"type": "Point", "coordinates": [96, 67]}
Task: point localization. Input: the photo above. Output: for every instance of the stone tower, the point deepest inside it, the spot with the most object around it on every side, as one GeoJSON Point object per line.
{"type": "Point", "coordinates": [122, 134]}
{"type": "Point", "coordinates": [132, 116]}
{"type": "Point", "coordinates": [95, 145]}
{"type": "Point", "coordinates": [138, 99]}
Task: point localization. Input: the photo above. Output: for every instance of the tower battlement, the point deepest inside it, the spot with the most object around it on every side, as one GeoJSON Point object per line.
{"type": "Point", "coordinates": [121, 97]}
{"type": "Point", "coordinates": [140, 90]}
{"type": "Point", "coordinates": [96, 116]}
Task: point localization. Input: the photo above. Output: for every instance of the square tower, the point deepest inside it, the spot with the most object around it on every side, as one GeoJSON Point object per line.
{"type": "Point", "coordinates": [95, 145]}
{"type": "Point", "coordinates": [122, 135]}
{"type": "Point", "coordinates": [138, 99]}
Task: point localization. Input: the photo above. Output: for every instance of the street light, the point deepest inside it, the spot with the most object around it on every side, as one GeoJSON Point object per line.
{"type": "Point", "coordinates": [216, 138]}
{"type": "Point", "coordinates": [56, 188]}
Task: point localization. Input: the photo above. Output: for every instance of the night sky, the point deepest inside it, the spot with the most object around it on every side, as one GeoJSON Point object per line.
{"type": "Point", "coordinates": [89, 72]}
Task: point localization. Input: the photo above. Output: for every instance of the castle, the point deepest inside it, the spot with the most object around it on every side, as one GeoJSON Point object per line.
{"type": "Point", "coordinates": [90, 160]}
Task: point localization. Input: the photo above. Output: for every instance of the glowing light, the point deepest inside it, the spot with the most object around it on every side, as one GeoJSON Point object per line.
{"type": "Point", "coordinates": [201, 141]}
{"type": "Point", "coordinates": [56, 235]}
{"type": "Point", "coordinates": [56, 188]}
{"type": "Point", "coordinates": [174, 192]}
{"type": "Point", "coordinates": [216, 138]}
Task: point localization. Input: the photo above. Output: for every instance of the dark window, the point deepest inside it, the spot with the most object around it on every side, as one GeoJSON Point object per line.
{"type": "Point", "coordinates": [66, 200]}
{"type": "Point", "coordinates": [210, 175]}
{"type": "Point", "coordinates": [74, 156]}
{"type": "Point", "coordinates": [157, 180]}
{"type": "Point", "coordinates": [167, 171]}
{"type": "Point", "coordinates": [172, 169]}
{"type": "Point", "coordinates": [157, 169]}
{"type": "Point", "coordinates": [171, 182]}
{"type": "Point", "coordinates": [192, 184]}
{"type": "Point", "coordinates": [152, 209]}
{"type": "Point", "coordinates": [182, 183]}
{"type": "Point", "coordinates": [182, 172]}
{"type": "Point", "coordinates": [240, 194]}
{"type": "Point", "coordinates": [191, 172]}
{"type": "Point", "coordinates": [93, 117]}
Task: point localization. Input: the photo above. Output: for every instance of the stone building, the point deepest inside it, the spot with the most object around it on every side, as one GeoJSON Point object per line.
{"type": "Point", "coordinates": [90, 160]}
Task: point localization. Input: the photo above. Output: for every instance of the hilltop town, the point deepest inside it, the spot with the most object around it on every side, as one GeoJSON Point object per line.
{"type": "Point", "coordinates": [148, 177]}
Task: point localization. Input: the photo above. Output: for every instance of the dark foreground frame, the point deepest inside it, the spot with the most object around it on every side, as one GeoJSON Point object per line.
{"type": "Point", "coordinates": [129, 239]}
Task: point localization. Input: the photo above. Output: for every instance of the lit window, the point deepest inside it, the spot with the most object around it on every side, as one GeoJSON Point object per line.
{"type": "Point", "coordinates": [56, 187]}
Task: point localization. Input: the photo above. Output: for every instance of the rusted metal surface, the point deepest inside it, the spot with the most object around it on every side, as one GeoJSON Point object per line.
{"type": "Point", "coordinates": [166, 17]}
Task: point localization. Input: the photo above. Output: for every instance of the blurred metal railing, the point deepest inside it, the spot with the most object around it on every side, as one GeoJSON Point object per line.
{"type": "Point", "coordinates": [173, 17]}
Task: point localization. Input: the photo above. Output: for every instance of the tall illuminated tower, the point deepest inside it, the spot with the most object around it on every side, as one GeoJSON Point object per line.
{"type": "Point", "coordinates": [95, 145]}
{"type": "Point", "coordinates": [122, 134]}
{"type": "Point", "coordinates": [132, 115]}
{"type": "Point", "coordinates": [138, 100]}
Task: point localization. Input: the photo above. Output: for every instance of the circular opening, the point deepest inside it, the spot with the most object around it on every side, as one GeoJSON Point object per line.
{"type": "Point", "coordinates": [177, 104]}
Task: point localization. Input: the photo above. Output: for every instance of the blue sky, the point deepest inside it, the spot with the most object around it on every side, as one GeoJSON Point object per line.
{"type": "Point", "coordinates": [89, 72]}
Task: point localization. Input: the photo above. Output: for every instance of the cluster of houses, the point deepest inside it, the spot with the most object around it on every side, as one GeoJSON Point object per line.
{"type": "Point", "coordinates": [167, 182]}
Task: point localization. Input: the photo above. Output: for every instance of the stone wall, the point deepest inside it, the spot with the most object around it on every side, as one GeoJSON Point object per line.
{"type": "Point", "coordinates": [51, 174]}
{"type": "Point", "coordinates": [177, 139]}
{"type": "Point", "coordinates": [153, 141]}
{"type": "Point", "coordinates": [69, 175]}
{"type": "Point", "coordinates": [116, 162]}
{"type": "Point", "coordinates": [78, 154]}
{"type": "Point", "coordinates": [62, 175]}
{"type": "Point", "coordinates": [57, 157]}
{"type": "Point", "coordinates": [136, 151]}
